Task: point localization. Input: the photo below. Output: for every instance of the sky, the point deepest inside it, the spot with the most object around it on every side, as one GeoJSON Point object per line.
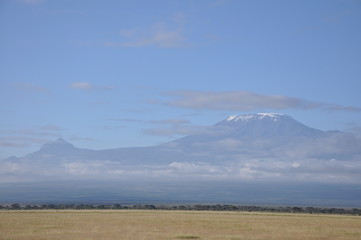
{"type": "Point", "coordinates": [109, 74]}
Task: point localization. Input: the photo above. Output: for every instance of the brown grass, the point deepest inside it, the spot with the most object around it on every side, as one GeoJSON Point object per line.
{"type": "Point", "coordinates": [133, 224]}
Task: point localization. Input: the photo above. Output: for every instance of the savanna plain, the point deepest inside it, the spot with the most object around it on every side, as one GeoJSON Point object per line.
{"type": "Point", "coordinates": [158, 224]}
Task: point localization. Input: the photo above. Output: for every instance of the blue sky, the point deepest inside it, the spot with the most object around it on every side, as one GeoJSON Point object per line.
{"type": "Point", "coordinates": [106, 74]}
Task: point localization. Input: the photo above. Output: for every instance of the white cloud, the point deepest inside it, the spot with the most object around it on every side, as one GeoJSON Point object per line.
{"type": "Point", "coordinates": [11, 142]}
{"type": "Point", "coordinates": [160, 35]}
{"type": "Point", "coordinates": [174, 130]}
{"type": "Point", "coordinates": [31, 87]}
{"type": "Point", "coordinates": [20, 141]}
{"type": "Point", "coordinates": [10, 168]}
{"type": "Point", "coordinates": [127, 33]}
{"type": "Point", "coordinates": [174, 121]}
{"type": "Point", "coordinates": [235, 100]}
{"type": "Point", "coordinates": [198, 169]}
{"type": "Point", "coordinates": [342, 108]}
{"type": "Point", "coordinates": [160, 38]}
{"type": "Point", "coordinates": [82, 85]}
{"type": "Point", "coordinates": [296, 164]}
{"type": "Point", "coordinates": [217, 3]}
{"type": "Point", "coordinates": [33, 2]}
{"type": "Point", "coordinates": [50, 128]}
{"type": "Point", "coordinates": [179, 18]}
{"type": "Point", "coordinates": [45, 130]}
{"type": "Point", "coordinates": [89, 86]}
{"type": "Point", "coordinates": [355, 130]}
{"type": "Point", "coordinates": [81, 168]}
{"type": "Point", "coordinates": [246, 101]}
{"type": "Point", "coordinates": [273, 169]}
{"type": "Point", "coordinates": [167, 127]}
{"type": "Point", "coordinates": [131, 120]}
{"type": "Point", "coordinates": [27, 138]}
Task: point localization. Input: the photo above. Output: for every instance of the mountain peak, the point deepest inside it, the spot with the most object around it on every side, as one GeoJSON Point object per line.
{"type": "Point", "coordinates": [260, 125]}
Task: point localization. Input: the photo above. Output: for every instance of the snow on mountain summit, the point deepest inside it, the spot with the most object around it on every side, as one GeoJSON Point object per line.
{"type": "Point", "coordinates": [260, 125]}
{"type": "Point", "coordinates": [257, 116]}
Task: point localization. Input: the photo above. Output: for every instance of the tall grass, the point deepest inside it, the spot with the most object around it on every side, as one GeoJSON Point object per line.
{"type": "Point", "coordinates": [122, 224]}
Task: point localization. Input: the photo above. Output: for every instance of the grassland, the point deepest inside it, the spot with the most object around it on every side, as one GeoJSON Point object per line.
{"type": "Point", "coordinates": [133, 224]}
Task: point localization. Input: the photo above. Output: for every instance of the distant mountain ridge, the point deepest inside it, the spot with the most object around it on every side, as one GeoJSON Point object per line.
{"type": "Point", "coordinates": [245, 146]}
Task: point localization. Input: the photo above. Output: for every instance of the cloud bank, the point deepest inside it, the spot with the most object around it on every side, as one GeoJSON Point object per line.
{"type": "Point", "coordinates": [246, 101]}
{"type": "Point", "coordinates": [89, 86]}
{"type": "Point", "coordinates": [31, 87]}
{"type": "Point", "coordinates": [161, 35]}
{"type": "Point", "coordinates": [160, 38]}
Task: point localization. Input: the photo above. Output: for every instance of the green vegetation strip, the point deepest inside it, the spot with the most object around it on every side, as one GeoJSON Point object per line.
{"type": "Point", "coordinates": [215, 207]}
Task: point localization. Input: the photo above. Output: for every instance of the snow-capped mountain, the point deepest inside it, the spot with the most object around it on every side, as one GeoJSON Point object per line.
{"type": "Point", "coordinates": [260, 133]}
{"type": "Point", "coordinates": [267, 125]}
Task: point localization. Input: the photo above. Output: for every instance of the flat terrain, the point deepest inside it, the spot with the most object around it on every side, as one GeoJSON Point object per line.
{"type": "Point", "coordinates": [134, 224]}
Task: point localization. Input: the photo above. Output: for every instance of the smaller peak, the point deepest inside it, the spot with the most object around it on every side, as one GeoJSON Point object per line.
{"type": "Point", "coordinates": [58, 144]}
{"type": "Point", "coordinates": [60, 140]}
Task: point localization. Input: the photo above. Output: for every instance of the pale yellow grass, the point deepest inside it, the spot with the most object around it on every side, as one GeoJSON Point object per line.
{"type": "Point", "coordinates": [132, 224]}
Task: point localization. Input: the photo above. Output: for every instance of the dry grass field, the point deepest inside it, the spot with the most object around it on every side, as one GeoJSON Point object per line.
{"type": "Point", "coordinates": [134, 224]}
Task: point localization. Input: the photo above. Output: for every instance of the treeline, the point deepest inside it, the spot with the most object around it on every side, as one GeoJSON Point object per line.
{"type": "Point", "coordinates": [198, 207]}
